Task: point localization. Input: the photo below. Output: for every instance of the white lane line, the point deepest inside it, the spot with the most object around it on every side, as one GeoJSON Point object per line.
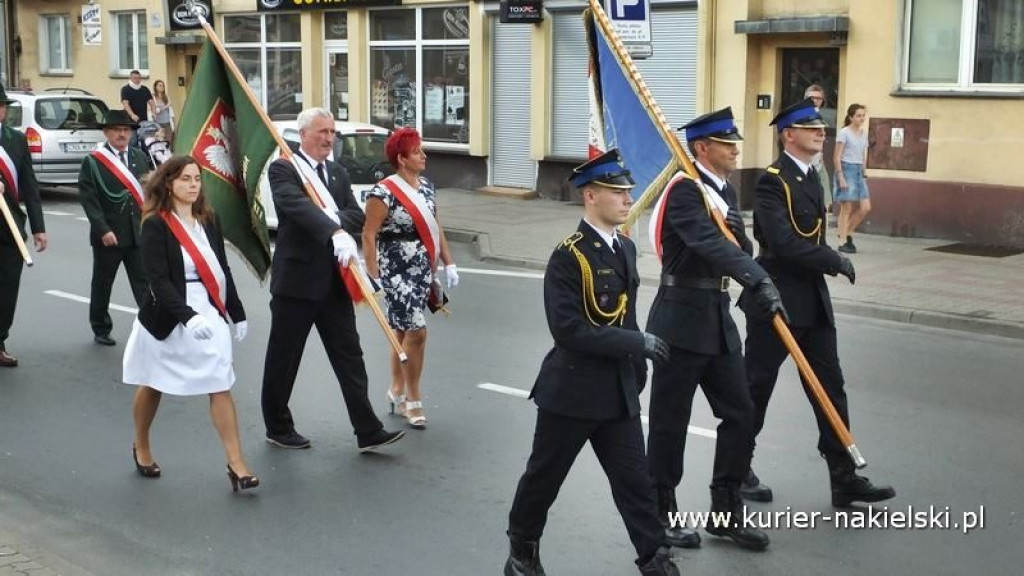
{"type": "Point", "coordinates": [485, 272]}
{"type": "Point", "coordinates": [695, 430]}
{"type": "Point", "coordinates": [85, 300]}
{"type": "Point", "coordinates": [57, 213]}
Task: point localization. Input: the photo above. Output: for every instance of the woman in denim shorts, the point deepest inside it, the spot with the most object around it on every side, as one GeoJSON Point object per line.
{"type": "Point", "coordinates": [851, 187]}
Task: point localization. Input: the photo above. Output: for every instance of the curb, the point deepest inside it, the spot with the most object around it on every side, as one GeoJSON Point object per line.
{"type": "Point", "coordinates": [482, 248]}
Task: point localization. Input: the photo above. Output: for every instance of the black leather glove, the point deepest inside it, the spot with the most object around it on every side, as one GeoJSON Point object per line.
{"type": "Point", "coordinates": [769, 300]}
{"type": "Point", "coordinates": [655, 348]}
{"type": "Point", "coordinates": [846, 268]}
{"type": "Point", "coordinates": [735, 222]}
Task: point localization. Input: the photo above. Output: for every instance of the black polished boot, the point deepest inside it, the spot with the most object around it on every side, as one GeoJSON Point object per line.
{"type": "Point", "coordinates": [726, 499]}
{"type": "Point", "coordinates": [752, 489]}
{"type": "Point", "coordinates": [523, 558]}
{"type": "Point", "coordinates": [675, 536]}
{"type": "Point", "coordinates": [660, 565]}
{"type": "Point", "coordinates": [848, 487]}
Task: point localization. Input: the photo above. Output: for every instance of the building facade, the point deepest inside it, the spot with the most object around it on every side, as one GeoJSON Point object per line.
{"type": "Point", "coordinates": [943, 81]}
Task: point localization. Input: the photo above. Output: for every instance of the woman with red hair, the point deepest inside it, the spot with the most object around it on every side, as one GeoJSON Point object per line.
{"type": "Point", "coordinates": [402, 243]}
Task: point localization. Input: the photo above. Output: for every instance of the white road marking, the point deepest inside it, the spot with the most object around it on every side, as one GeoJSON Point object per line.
{"type": "Point", "coordinates": [85, 300]}
{"type": "Point", "coordinates": [695, 430]}
{"type": "Point", "coordinates": [485, 272]}
{"type": "Point", "coordinates": [57, 213]}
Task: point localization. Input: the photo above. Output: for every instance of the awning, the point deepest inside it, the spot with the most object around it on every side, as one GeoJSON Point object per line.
{"type": "Point", "coordinates": [799, 25]}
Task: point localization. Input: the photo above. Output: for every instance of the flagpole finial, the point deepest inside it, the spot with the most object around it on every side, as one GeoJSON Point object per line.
{"type": "Point", "coordinates": [193, 8]}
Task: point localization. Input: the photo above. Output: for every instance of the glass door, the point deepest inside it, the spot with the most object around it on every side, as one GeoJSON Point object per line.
{"type": "Point", "coordinates": [337, 83]}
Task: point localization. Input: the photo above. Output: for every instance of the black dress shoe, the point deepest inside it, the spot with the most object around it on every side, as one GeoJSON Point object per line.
{"type": "Point", "coordinates": [290, 439]}
{"type": "Point", "coordinates": [727, 500]}
{"type": "Point", "coordinates": [104, 339]}
{"type": "Point", "coordinates": [660, 565]}
{"type": "Point", "coordinates": [680, 537]}
{"type": "Point", "coordinates": [849, 487]}
{"type": "Point", "coordinates": [378, 439]}
{"type": "Point", "coordinates": [752, 489]}
{"type": "Point", "coordinates": [7, 360]}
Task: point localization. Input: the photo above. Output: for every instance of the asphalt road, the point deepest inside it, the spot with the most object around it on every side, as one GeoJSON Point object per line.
{"type": "Point", "coordinates": [936, 413]}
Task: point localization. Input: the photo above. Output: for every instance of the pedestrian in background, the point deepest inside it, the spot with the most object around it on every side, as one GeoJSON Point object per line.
{"type": "Point", "coordinates": [817, 95]}
{"type": "Point", "coordinates": [181, 343]}
{"type": "Point", "coordinates": [163, 112]}
{"type": "Point", "coordinates": [110, 192]}
{"type": "Point", "coordinates": [402, 242]}
{"type": "Point", "coordinates": [137, 101]}
{"type": "Point", "coordinates": [850, 159]}
{"type": "Point", "coordinates": [17, 185]}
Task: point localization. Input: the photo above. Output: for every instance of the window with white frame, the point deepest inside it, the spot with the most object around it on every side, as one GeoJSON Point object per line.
{"type": "Point", "coordinates": [267, 50]}
{"type": "Point", "coordinates": [131, 49]}
{"type": "Point", "coordinates": [419, 71]}
{"type": "Point", "coordinates": [55, 44]}
{"type": "Point", "coordinates": [974, 45]}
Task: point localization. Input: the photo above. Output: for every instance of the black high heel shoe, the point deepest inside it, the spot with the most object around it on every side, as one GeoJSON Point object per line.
{"type": "Point", "coordinates": [242, 482]}
{"type": "Point", "coordinates": [150, 471]}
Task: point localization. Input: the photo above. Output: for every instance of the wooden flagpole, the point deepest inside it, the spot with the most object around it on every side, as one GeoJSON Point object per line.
{"type": "Point", "coordinates": [811, 379]}
{"type": "Point", "coordinates": [15, 231]}
{"type": "Point", "coordinates": [286, 153]}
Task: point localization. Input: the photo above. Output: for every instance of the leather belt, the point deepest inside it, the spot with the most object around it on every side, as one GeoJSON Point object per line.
{"type": "Point", "coordinates": [720, 284]}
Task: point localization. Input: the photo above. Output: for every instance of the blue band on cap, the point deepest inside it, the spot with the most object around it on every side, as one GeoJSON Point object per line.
{"type": "Point", "coordinates": [716, 127]}
{"type": "Point", "coordinates": [596, 173]}
{"type": "Point", "coordinates": [794, 117]}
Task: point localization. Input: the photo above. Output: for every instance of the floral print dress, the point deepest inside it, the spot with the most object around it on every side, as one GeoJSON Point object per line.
{"type": "Point", "coordinates": [405, 273]}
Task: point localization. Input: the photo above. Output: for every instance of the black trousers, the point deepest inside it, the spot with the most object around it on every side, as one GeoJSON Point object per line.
{"type": "Point", "coordinates": [766, 353]}
{"type": "Point", "coordinates": [11, 265]}
{"type": "Point", "coordinates": [619, 446]}
{"type": "Point", "coordinates": [335, 321]}
{"type": "Point", "coordinates": [105, 262]}
{"type": "Point", "coordinates": [673, 386]}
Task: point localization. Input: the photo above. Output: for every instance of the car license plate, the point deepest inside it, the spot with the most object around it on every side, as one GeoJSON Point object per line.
{"type": "Point", "coordinates": [79, 147]}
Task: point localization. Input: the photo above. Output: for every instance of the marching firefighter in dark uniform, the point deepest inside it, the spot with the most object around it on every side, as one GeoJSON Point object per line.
{"type": "Point", "coordinates": [789, 225]}
{"type": "Point", "coordinates": [691, 313]}
{"type": "Point", "coordinates": [589, 383]}
{"type": "Point", "coordinates": [109, 189]}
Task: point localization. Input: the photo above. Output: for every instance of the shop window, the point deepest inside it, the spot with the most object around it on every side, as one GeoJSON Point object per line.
{"type": "Point", "coordinates": [335, 25]}
{"type": "Point", "coordinates": [131, 48]}
{"type": "Point", "coordinates": [971, 45]}
{"type": "Point", "coordinates": [419, 62]}
{"type": "Point", "coordinates": [267, 50]}
{"type": "Point", "coordinates": [55, 44]}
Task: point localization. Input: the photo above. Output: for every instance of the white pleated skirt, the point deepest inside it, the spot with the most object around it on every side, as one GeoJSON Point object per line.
{"type": "Point", "coordinates": [180, 364]}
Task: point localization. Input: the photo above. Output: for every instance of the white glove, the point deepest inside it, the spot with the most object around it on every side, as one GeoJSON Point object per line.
{"type": "Point", "coordinates": [345, 247]}
{"type": "Point", "coordinates": [199, 327]}
{"type": "Point", "coordinates": [451, 274]}
{"type": "Point", "coordinates": [241, 329]}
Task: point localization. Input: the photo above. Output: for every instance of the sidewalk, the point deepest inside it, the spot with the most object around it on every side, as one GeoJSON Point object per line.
{"type": "Point", "coordinates": [17, 559]}
{"type": "Point", "coordinates": [897, 279]}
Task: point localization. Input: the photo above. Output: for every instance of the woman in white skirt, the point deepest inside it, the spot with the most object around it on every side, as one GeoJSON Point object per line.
{"type": "Point", "coordinates": [181, 343]}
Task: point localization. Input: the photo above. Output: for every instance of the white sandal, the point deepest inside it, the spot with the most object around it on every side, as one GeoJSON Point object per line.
{"type": "Point", "coordinates": [396, 403]}
{"type": "Point", "coordinates": [418, 422]}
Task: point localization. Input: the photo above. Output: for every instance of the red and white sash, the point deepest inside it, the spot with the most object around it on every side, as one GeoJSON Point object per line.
{"type": "Point", "coordinates": [120, 171]}
{"type": "Point", "coordinates": [10, 174]}
{"type": "Point", "coordinates": [422, 217]}
{"type": "Point", "coordinates": [209, 272]}
{"type": "Point", "coordinates": [322, 195]}
{"type": "Point", "coordinates": [654, 228]}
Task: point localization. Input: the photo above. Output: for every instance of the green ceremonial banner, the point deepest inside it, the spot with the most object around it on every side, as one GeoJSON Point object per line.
{"type": "Point", "coordinates": [221, 129]}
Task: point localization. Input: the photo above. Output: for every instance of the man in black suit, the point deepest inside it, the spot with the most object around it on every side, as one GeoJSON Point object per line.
{"type": "Point", "coordinates": [110, 203]}
{"type": "Point", "coordinates": [307, 290]}
{"type": "Point", "coordinates": [691, 313]}
{"type": "Point", "coordinates": [25, 189]}
{"type": "Point", "coordinates": [789, 225]}
{"type": "Point", "coordinates": [589, 383]}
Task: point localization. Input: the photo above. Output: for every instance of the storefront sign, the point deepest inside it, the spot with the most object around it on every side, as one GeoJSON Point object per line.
{"type": "Point", "coordinates": [522, 11]}
{"type": "Point", "coordinates": [182, 13]}
{"type": "Point", "coordinates": [631, 21]}
{"type": "Point", "coordinates": [283, 5]}
{"type": "Point", "coordinates": [92, 31]}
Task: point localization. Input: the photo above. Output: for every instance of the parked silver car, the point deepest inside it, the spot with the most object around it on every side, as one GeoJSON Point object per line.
{"type": "Point", "coordinates": [61, 126]}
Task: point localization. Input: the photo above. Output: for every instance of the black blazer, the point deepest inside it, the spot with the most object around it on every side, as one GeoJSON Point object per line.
{"type": "Point", "coordinates": [797, 258]}
{"type": "Point", "coordinates": [120, 214]}
{"type": "Point", "coordinates": [698, 319]}
{"type": "Point", "coordinates": [164, 305]}
{"type": "Point", "coordinates": [304, 265]}
{"type": "Point", "coordinates": [16, 146]}
{"type": "Point", "coordinates": [593, 372]}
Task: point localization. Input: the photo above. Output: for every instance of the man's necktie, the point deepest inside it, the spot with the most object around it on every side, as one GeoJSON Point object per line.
{"type": "Point", "coordinates": [320, 173]}
{"type": "Point", "coordinates": [620, 253]}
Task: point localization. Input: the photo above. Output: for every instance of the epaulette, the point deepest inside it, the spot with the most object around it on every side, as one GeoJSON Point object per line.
{"type": "Point", "coordinates": [571, 240]}
{"type": "Point", "coordinates": [772, 170]}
